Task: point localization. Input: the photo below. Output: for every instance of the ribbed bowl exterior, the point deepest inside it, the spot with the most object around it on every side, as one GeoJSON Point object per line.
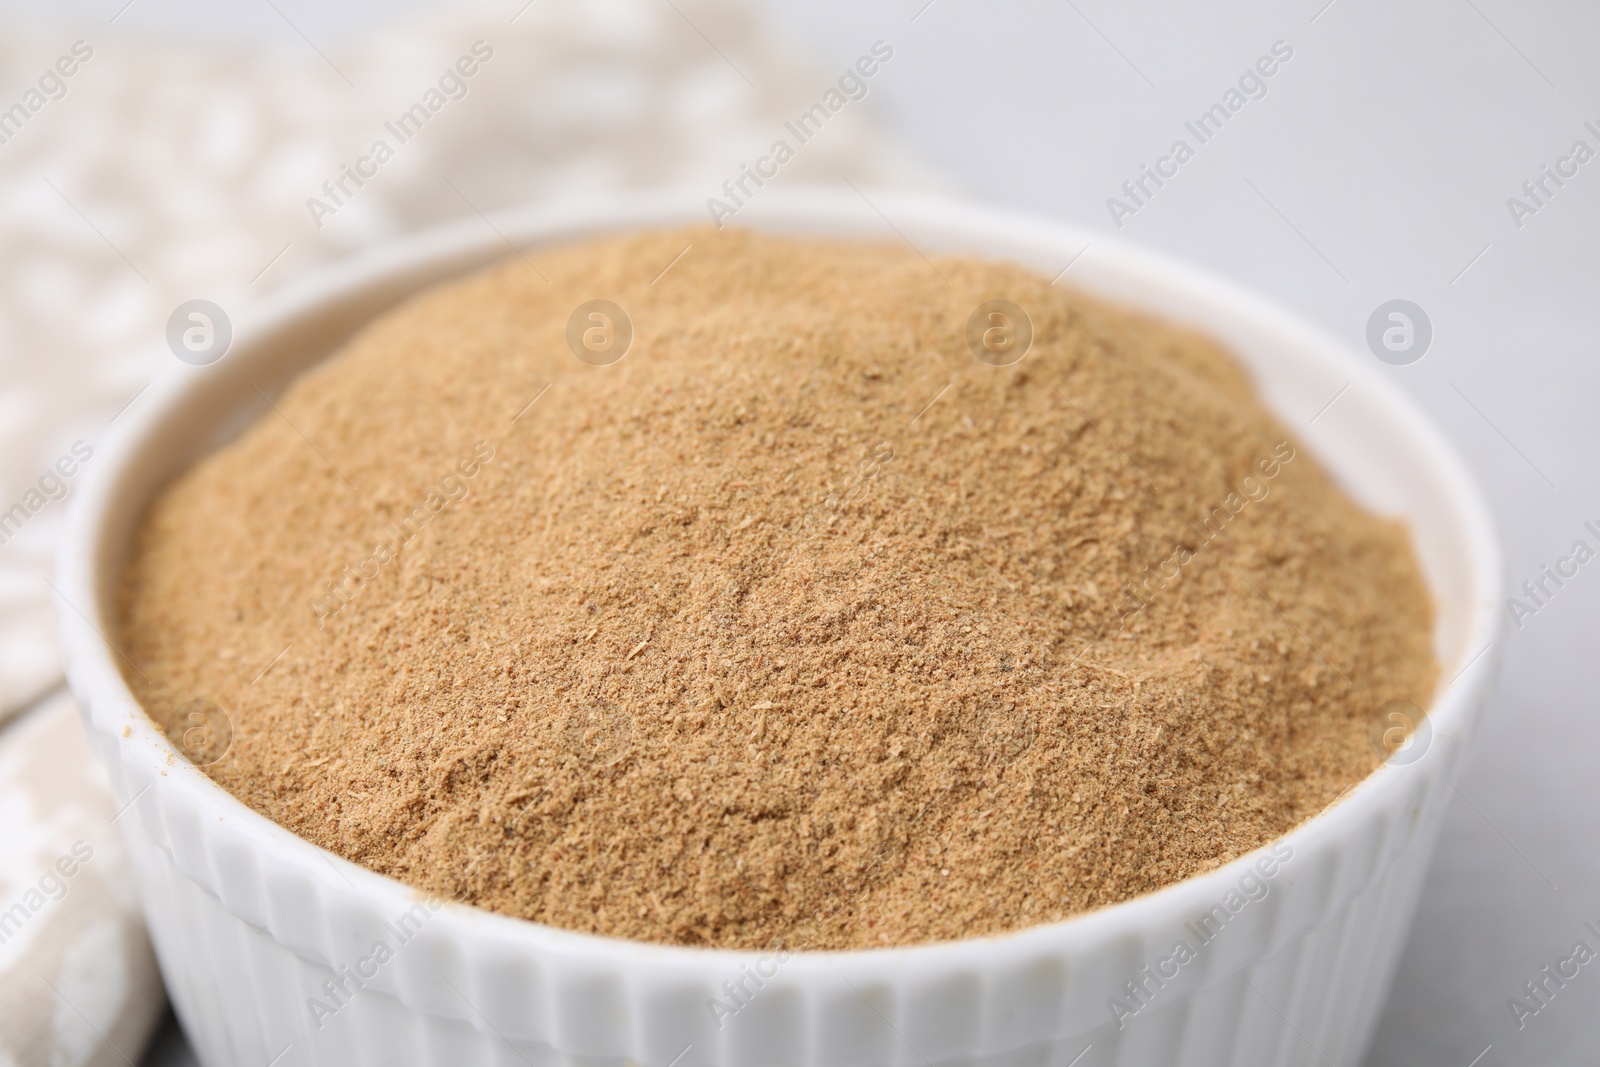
{"type": "Point", "coordinates": [270, 946]}
{"type": "Point", "coordinates": [247, 939]}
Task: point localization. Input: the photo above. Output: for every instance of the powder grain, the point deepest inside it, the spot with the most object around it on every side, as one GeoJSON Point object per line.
{"type": "Point", "coordinates": [798, 625]}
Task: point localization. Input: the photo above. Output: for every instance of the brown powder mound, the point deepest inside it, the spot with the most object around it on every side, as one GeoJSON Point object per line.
{"type": "Point", "coordinates": [797, 626]}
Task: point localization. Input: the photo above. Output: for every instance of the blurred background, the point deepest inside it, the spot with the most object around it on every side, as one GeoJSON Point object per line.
{"type": "Point", "coordinates": [154, 152]}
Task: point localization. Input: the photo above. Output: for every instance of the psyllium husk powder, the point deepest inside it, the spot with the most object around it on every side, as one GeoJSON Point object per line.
{"type": "Point", "coordinates": [721, 589]}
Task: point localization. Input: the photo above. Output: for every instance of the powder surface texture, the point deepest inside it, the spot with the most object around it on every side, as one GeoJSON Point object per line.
{"type": "Point", "coordinates": [798, 625]}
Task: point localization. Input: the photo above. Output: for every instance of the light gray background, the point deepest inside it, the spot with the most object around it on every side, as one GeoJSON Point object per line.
{"type": "Point", "coordinates": [1378, 166]}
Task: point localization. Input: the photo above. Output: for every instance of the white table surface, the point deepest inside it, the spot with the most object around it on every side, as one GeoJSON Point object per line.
{"type": "Point", "coordinates": [1378, 166]}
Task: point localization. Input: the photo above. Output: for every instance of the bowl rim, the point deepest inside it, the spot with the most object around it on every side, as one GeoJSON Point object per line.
{"type": "Point", "coordinates": [110, 708]}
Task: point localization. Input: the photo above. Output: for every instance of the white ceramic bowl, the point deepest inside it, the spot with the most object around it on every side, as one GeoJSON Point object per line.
{"type": "Point", "coordinates": [250, 921]}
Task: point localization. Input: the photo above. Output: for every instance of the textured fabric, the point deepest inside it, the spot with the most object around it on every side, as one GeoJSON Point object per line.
{"type": "Point", "coordinates": [154, 174]}
{"type": "Point", "coordinates": [78, 983]}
